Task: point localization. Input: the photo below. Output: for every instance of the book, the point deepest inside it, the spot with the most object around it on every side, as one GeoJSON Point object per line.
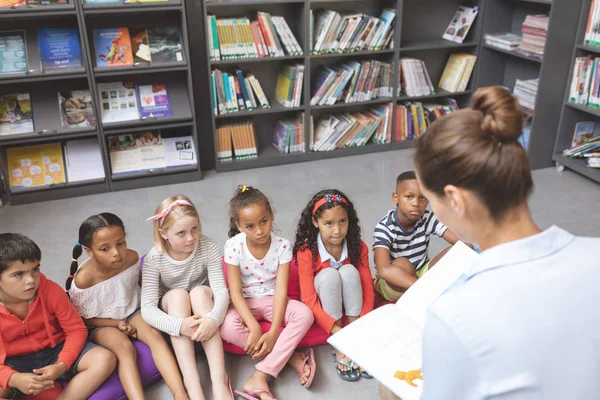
{"type": "Point", "coordinates": [83, 160]}
{"type": "Point", "coordinates": [46, 2]}
{"type": "Point", "coordinates": [179, 151]}
{"type": "Point", "coordinates": [409, 113]}
{"type": "Point", "coordinates": [288, 135]}
{"type": "Point", "coordinates": [13, 53]}
{"type": "Point", "coordinates": [165, 44]}
{"type": "Point", "coordinates": [12, 3]}
{"type": "Point", "coordinates": [400, 326]}
{"type": "Point", "coordinates": [112, 47]}
{"type": "Point", "coordinates": [16, 115]}
{"type": "Point", "coordinates": [54, 167]}
{"type": "Point", "coordinates": [584, 131]}
{"type": "Point", "coordinates": [534, 31]}
{"type": "Point", "coordinates": [460, 24]}
{"type": "Point", "coordinates": [139, 46]}
{"type": "Point", "coordinates": [526, 92]}
{"type": "Point", "coordinates": [59, 48]}
{"type": "Point", "coordinates": [136, 152]}
{"type": "Point", "coordinates": [118, 102]}
{"type": "Point", "coordinates": [414, 78]}
{"type": "Point", "coordinates": [457, 72]}
{"type": "Point", "coordinates": [102, 1]}
{"type": "Point", "coordinates": [76, 109]}
{"type": "Point", "coordinates": [154, 101]}
{"type": "Point", "coordinates": [236, 141]}
{"type": "Point", "coordinates": [506, 41]}
{"type": "Point", "coordinates": [25, 167]}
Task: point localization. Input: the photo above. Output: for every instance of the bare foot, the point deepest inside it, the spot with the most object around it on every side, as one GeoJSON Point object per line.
{"type": "Point", "coordinates": [342, 357]}
{"type": "Point", "coordinates": [221, 390]}
{"type": "Point", "coordinates": [258, 381]}
{"type": "Point", "coordinates": [296, 361]}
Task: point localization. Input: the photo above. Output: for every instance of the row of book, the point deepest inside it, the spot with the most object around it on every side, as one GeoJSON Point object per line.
{"type": "Point", "coordinates": [415, 80]}
{"type": "Point", "coordinates": [267, 36]}
{"type": "Point", "coordinates": [336, 131]}
{"type": "Point", "coordinates": [288, 91]}
{"type": "Point", "coordinates": [457, 72]}
{"type": "Point", "coordinates": [236, 141]}
{"type": "Point", "coordinates": [118, 47]}
{"type": "Point", "coordinates": [413, 118]}
{"type": "Point", "coordinates": [505, 41]}
{"type": "Point", "coordinates": [592, 33]}
{"type": "Point", "coordinates": [288, 135]}
{"type": "Point", "coordinates": [526, 92]}
{"type": "Point", "coordinates": [588, 150]}
{"type": "Point", "coordinates": [353, 82]}
{"type": "Point", "coordinates": [534, 30]}
{"type": "Point", "coordinates": [233, 92]}
{"type": "Point", "coordinates": [332, 32]}
{"type": "Point", "coordinates": [585, 84]}
{"type": "Point", "coordinates": [24, 3]}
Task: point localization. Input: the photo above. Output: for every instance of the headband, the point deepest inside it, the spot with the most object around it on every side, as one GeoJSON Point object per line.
{"type": "Point", "coordinates": [163, 214]}
{"type": "Point", "coordinates": [328, 198]}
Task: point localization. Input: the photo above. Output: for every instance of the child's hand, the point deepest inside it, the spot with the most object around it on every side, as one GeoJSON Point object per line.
{"type": "Point", "coordinates": [189, 326]}
{"type": "Point", "coordinates": [30, 383]}
{"type": "Point", "coordinates": [265, 345]}
{"type": "Point", "coordinates": [253, 338]}
{"type": "Point", "coordinates": [206, 330]}
{"type": "Point", "coordinates": [51, 372]}
{"type": "Point", "coordinates": [127, 329]}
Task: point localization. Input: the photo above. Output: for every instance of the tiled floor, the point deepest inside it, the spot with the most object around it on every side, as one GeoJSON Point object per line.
{"type": "Point", "coordinates": [565, 199]}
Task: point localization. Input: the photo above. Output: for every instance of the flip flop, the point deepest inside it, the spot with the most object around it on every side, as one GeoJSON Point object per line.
{"type": "Point", "coordinates": [310, 359]}
{"type": "Point", "coordinates": [253, 394]}
{"type": "Point", "coordinates": [349, 375]}
{"type": "Point", "coordinates": [366, 375]}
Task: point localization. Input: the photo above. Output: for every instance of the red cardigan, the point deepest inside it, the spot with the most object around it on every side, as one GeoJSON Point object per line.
{"type": "Point", "coordinates": [307, 273]}
{"type": "Point", "coordinates": [50, 320]}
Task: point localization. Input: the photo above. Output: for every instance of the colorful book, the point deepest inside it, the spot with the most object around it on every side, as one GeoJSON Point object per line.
{"type": "Point", "coordinates": [461, 23]}
{"type": "Point", "coordinates": [102, 1]}
{"type": "Point", "coordinates": [139, 46]}
{"type": "Point", "coordinates": [165, 44]}
{"type": "Point", "coordinates": [54, 166]}
{"type": "Point", "coordinates": [154, 101]}
{"type": "Point", "coordinates": [13, 53]}
{"type": "Point", "coordinates": [25, 167]}
{"type": "Point", "coordinates": [113, 47]}
{"type": "Point", "coordinates": [76, 110]}
{"type": "Point", "coordinates": [12, 3]}
{"type": "Point", "coordinates": [59, 48]}
{"type": "Point", "coordinates": [136, 152]}
{"type": "Point", "coordinates": [584, 131]}
{"type": "Point", "coordinates": [16, 115]}
{"type": "Point", "coordinates": [118, 102]}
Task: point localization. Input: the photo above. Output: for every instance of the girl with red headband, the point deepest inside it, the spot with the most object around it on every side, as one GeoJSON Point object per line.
{"type": "Point", "coordinates": [333, 264]}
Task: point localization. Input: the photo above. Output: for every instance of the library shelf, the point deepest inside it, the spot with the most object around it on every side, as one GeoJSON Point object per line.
{"type": "Point", "coordinates": [153, 172]}
{"type": "Point", "coordinates": [131, 5]}
{"type": "Point", "coordinates": [39, 11]}
{"type": "Point", "coordinates": [590, 110]}
{"type": "Point", "coordinates": [439, 93]}
{"type": "Point", "coordinates": [512, 54]}
{"type": "Point", "coordinates": [237, 3]}
{"type": "Point", "coordinates": [404, 144]}
{"type": "Point", "coordinates": [357, 103]}
{"type": "Point", "coordinates": [131, 9]}
{"type": "Point", "coordinates": [40, 76]}
{"type": "Point", "coordinates": [436, 44]}
{"type": "Point", "coordinates": [148, 123]}
{"type": "Point", "coordinates": [275, 108]}
{"type": "Point", "coordinates": [578, 165]}
{"type": "Point", "coordinates": [234, 61]}
{"type": "Point", "coordinates": [156, 126]}
{"type": "Point", "coordinates": [140, 69]}
{"type": "Point", "coordinates": [363, 53]}
{"type": "Point", "coordinates": [40, 137]}
{"type": "Point", "coordinates": [546, 2]}
{"type": "Point", "coordinates": [591, 49]}
{"type": "Point", "coordinates": [58, 186]}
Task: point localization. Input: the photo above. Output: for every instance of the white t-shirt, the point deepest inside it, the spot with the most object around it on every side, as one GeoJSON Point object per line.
{"type": "Point", "coordinates": [258, 276]}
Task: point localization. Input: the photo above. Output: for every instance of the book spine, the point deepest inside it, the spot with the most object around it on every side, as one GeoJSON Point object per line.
{"type": "Point", "coordinates": [467, 74]}
{"type": "Point", "coordinates": [250, 93]}
{"type": "Point", "coordinates": [214, 94]}
{"type": "Point", "coordinates": [240, 82]}
{"type": "Point", "coordinates": [259, 92]}
{"type": "Point", "coordinates": [299, 85]}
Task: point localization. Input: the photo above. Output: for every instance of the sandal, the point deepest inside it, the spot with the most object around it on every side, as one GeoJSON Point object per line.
{"type": "Point", "coordinates": [310, 360]}
{"type": "Point", "coordinates": [365, 374]}
{"type": "Point", "coordinates": [253, 394]}
{"type": "Point", "coordinates": [349, 375]}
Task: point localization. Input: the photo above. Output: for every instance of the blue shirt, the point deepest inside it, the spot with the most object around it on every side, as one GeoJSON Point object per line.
{"type": "Point", "coordinates": [525, 325]}
{"type": "Point", "coordinates": [325, 256]}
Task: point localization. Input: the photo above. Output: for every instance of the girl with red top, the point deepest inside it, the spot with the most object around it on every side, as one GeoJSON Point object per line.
{"type": "Point", "coordinates": [333, 265]}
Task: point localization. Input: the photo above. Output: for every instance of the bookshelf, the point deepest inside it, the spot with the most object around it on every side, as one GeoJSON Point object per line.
{"type": "Point", "coordinates": [572, 113]}
{"type": "Point", "coordinates": [418, 29]}
{"type": "Point", "coordinates": [44, 86]}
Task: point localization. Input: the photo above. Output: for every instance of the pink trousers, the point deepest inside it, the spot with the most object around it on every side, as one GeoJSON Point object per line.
{"type": "Point", "coordinates": [297, 320]}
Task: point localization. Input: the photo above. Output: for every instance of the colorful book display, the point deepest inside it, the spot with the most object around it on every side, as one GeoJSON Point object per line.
{"type": "Point", "coordinates": [118, 102]}
{"type": "Point", "coordinates": [534, 30]}
{"type": "Point", "coordinates": [113, 47]}
{"type": "Point", "coordinates": [16, 115]}
{"type": "Point", "coordinates": [139, 46]}
{"type": "Point", "coordinates": [461, 23]}
{"type": "Point", "coordinates": [34, 166]}
{"type": "Point", "coordinates": [233, 92]}
{"type": "Point", "coordinates": [288, 91]}
{"type": "Point", "coordinates": [288, 136]}
{"type": "Point", "coordinates": [236, 141]}
{"type": "Point", "coordinates": [76, 110]}
{"type": "Point", "coordinates": [414, 78]}
{"type": "Point", "coordinates": [154, 101]}
{"type": "Point", "coordinates": [457, 72]}
{"type": "Point", "coordinates": [165, 44]}
{"type": "Point", "coordinates": [413, 118]}
{"type": "Point", "coordinates": [136, 152]}
{"type": "Point", "coordinates": [526, 91]}
{"type": "Point", "coordinates": [13, 53]}
{"type": "Point", "coordinates": [59, 48]}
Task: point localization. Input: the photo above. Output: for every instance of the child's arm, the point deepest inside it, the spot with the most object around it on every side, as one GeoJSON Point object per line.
{"type": "Point", "coordinates": [267, 341]}
{"type": "Point", "coordinates": [395, 273]}
{"type": "Point", "coordinates": [308, 292]}
{"type": "Point", "coordinates": [366, 281]}
{"type": "Point", "coordinates": [123, 326]}
{"type": "Point", "coordinates": [450, 237]}
{"type": "Point", "coordinates": [237, 298]}
{"type": "Point", "coordinates": [216, 281]}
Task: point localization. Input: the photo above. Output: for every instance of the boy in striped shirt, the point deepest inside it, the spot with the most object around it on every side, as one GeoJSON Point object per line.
{"type": "Point", "coordinates": [401, 239]}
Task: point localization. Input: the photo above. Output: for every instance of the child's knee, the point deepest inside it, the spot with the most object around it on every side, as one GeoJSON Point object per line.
{"type": "Point", "coordinates": [102, 361]}
{"type": "Point", "coordinates": [125, 349]}
{"type": "Point", "coordinates": [178, 295]}
{"type": "Point", "coordinates": [348, 271]}
{"type": "Point", "coordinates": [328, 279]}
{"type": "Point", "coordinates": [155, 336]}
{"type": "Point", "coordinates": [202, 292]}
{"type": "Point", "coordinates": [304, 314]}
{"type": "Point", "coordinates": [233, 323]}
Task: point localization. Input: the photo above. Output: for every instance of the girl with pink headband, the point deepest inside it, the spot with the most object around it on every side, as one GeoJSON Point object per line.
{"type": "Point", "coordinates": [184, 292]}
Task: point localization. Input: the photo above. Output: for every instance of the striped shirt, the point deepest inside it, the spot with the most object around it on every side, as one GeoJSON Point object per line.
{"type": "Point", "coordinates": [412, 245]}
{"type": "Point", "coordinates": [161, 273]}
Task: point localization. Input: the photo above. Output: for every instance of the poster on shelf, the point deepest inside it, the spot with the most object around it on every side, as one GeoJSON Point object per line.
{"type": "Point", "coordinates": [113, 47]}
{"type": "Point", "coordinates": [118, 102]}
{"type": "Point", "coordinates": [59, 48]}
{"type": "Point", "coordinates": [179, 151]}
{"type": "Point", "coordinates": [13, 53]}
{"type": "Point", "coordinates": [139, 46]}
{"type": "Point", "coordinates": [154, 101]}
{"type": "Point", "coordinates": [133, 152]}
{"type": "Point", "coordinates": [76, 110]}
{"type": "Point", "coordinates": [165, 44]}
{"type": "Point", "coordinates": [25, 167]}
{"type": "Point", "coordinates": [16, 115]}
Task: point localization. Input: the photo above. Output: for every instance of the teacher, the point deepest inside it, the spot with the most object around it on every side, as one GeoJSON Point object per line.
{"type": "Point", "coordinates": [525, 325]}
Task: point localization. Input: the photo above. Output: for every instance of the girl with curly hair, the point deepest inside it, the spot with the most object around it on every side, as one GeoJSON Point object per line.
{"type": "Point", "coordinates": [333, 264]}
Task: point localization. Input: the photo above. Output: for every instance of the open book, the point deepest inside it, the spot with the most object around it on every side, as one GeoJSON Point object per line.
{"type": "Point", "coordinates": [389, 338]}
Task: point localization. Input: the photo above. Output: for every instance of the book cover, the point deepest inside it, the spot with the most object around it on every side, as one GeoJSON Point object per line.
{"type": "Point", "coordinates": [83, 160]}
{"type": "Point", "coordinates": [13, 53]}
{"type": "Point", "coordinates": [165, 44]}
{"type": "Point", "coordinates": [46, 2]}
{"type": "Point", "coordinates": [25, 167]}
{"type": "Point", "coordinates": [136, 152]}
{"type": "Point", "coordinates": [118, 102]}
{"type": "Point", "coordinates": [400, 326]}
{"type": "Point", "coordinates": [154, 101]}
{"type": "Point", "coordinates": [584, 131]}
{"type": "Point", "coordinates": [11, 3]}
{"type": "Point", "coordinates": [59, 48]}
{"type": "Point", "coordinates": [113, 47]}
{"type": "Point", "coordinates": [16, 115]}
{"type": "Point", "coordinates": [102, 1]}
{"type": "Point", "coordinates": [76, 109]}
{"type": "Point", "coordinates": [461, 23]}
{"type": "Point", "coordinates": [54, 166]}
{"type": "Point", "coordinates": [139, 46]}
{"type": "Point", "coordinates": [179, 151]}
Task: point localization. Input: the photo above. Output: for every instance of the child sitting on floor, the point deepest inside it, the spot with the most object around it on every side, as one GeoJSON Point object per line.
{"type": "Point", "coordinates": [43, 337]}
{"type": "Point", "coordinates": [401, 239]}
{"type": "Point", "coordinates": [258, 269]}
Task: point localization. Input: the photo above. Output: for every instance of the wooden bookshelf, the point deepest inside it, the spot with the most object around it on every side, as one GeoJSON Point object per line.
{"type": "Point", "coordinates": [418, 29]}
{"type": "Point", "coordinates": [572, 113]}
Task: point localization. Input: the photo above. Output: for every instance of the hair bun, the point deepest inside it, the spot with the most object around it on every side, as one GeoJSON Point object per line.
{"type": "Point", "coordinates": [501, 116]}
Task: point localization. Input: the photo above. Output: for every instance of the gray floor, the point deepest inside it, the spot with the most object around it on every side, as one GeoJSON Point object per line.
{"type": "Point", "coordinates": [565, 199]}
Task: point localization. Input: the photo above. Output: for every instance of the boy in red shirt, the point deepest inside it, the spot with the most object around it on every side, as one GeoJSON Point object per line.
{"type": "Point", "coordinates": [43, 337]}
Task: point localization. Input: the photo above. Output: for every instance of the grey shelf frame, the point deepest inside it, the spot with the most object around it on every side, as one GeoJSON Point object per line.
{"type": "Point", "coordinates": [572, 113]}
{"type": "Point", "coordinates": [89, 76]}
{"type": "Point", "coordinates": [418, 30]}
